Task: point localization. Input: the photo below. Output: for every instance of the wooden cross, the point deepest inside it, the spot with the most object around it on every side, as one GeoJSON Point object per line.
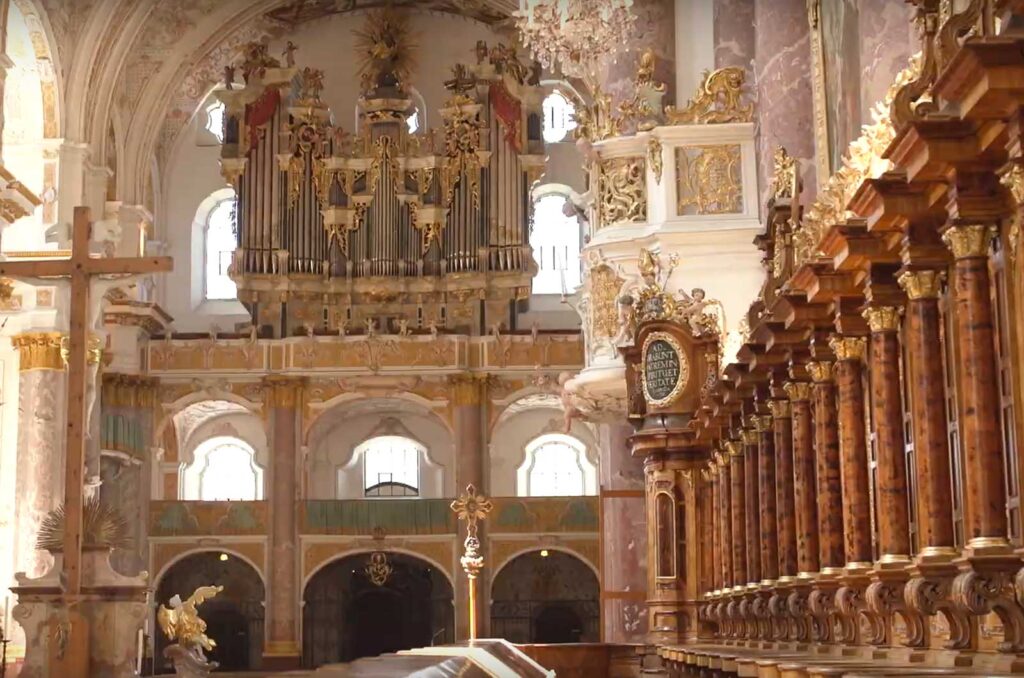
{"type": "Point", "coordinates": [79, 268]}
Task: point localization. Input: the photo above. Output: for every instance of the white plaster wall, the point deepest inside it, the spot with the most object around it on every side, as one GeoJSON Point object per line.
{"type": "Point", "coordinates": [695, 44]}
{"type": "Point", "coordinates": [243, 425]}
{"type": "Point", "coordinates": [333, 451]}
{"type": "Point", "coordinates": [510, 436]}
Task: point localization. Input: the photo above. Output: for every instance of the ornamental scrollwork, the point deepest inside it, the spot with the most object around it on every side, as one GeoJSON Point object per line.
{"type": "Point", "coordinates": [708, 179]}
{"type": "Point", "coordinates": [622, 187]}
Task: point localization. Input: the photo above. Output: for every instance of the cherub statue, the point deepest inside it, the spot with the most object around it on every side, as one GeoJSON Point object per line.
{"type": "Point", "coordinates": [289, 54]}
{"type": "Point", "coordinates": [342, 327]}
{"type": "Point", "coordinates": [569, 411]}
{"type": "Point", "coordinates": [181, 623]}
{"type": "Point", "coordinates": [371, 327]}
{"type": "Point", "coordinates": [403, 328]}
{"type": "Point", "coordinates": [627, 322]}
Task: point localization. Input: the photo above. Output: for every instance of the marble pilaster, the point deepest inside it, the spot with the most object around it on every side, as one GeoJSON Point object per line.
{"type": "Point", "coordinates": [468, 402]}
{"type": "Point", "coordinates": [282, 650]}
{"type": "Point", "coordinates": [735, 38]}
{"type": "Point", "coordinates": [623, 538]}
{"type": "Point", "coordinates": [654, 29]}
{"type": "Point", "coordinates": [887, 40]}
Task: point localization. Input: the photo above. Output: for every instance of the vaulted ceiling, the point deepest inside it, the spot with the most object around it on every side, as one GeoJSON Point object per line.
{"type": "Point", "coordinates": [132, 72]}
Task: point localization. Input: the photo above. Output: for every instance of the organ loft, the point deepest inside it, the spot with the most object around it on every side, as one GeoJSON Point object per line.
{"type": "Point", "coordinates": [604, 338]}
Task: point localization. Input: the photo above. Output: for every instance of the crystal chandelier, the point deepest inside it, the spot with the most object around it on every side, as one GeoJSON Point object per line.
{"type": "Point", "coordinates": [577, 35]}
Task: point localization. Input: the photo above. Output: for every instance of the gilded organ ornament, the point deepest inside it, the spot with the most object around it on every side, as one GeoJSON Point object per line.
{"type": "Point", "coordinates": [604, 286]}
{"type": "Point", "coordinates": [708, 180]}
{"type": "Point", "coordinates": [622, 187]}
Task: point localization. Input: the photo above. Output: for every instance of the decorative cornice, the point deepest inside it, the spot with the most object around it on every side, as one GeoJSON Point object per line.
{"type": "Point", "coordinates": [820, 371]}
{"type": "Point", "coordinates": [848, 348]}
{"type": "Point", "coordinates": [921, 284]}
{"type": "Point", "coordinates": [969, 242]}
{"type": "Point", "coordinates": [798, 391]}
{"type": "Point", "coordinates": [283, 392]}
{"type": "Point", "coordinates": [780, 408]}
{"type": "Point", "coordinates": [882, 318]}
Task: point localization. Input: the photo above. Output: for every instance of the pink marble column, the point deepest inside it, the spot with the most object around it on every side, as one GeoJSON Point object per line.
{"type": "Point", "coordinates": [782, 71]}
{"type": "Point", "coordinates": [623, 538]}
{"type": "Point", "coordinates": [734, 35]}
{"type": "Point", "coordinates": [654, 29]}
{"type": "Point", "coordinates": [283, 649]}
{"type": "Point", "coordinates": [887, 39]}
{"type": "Point", "coordinates": [468, 402]}
{"type": "Point", "coordinates": [39, 483]}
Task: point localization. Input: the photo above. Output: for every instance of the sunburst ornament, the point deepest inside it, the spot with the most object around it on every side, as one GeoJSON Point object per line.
{"type": "Point", "coordinates": [102, 528]}
{"type": "Point", "coordinates": [384, 51]}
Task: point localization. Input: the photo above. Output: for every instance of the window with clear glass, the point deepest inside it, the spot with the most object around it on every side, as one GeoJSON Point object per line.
{"type": "Point", "coordinates": [555, 240]}
{"type": "Point", "coordinates": [556, 466]}
{"type": "Point", "coordinates": [559, 117]}
{"type": "Point", "coordinates": [215, 120]}
{"type": "Point", "coordinates": [223, 469]}
{"type": "Point", "coordinates": [220, 245]}
{"type": "Point", "coordinates": [413, 121]}
{"type": "Point", "coordinates": [391, 466]}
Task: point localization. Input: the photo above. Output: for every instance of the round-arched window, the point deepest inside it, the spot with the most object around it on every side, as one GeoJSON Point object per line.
{"type": "Point", "coordinates": [559, 117]}
{"type": "Point", "coordinates": [220, 241]}
{"type": "Point", "coordinates": [215, 119]}
{"type": "Point", "coordinates": [555, 240]}
{"type": "Point", "coordinates": [223, 468]}
{"type": "Point", "coordinates": [556, 465]}
{"type": "Point", "coordinates": [391, 466]}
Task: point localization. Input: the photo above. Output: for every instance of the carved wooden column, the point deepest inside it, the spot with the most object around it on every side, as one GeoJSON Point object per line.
{"type": "Point", "coordinates": [884, 595]}
{"type": "Point", "coordinates": [716, 519]}
{"type": "Point", "coordinates": [830, 499]}
{"type": "Point", "coordinates": [767, 524]}
{"type": "Point", "coordinates": [738, 512]}
{"type": "Point", "coordinates": [990, 564]}
{"type": "Point", "coordinates": [782, 432]}
{"type": "Point", "coordinates": [749, 606]}
{"type": "Point", "coordinates": [725, 541]}
{"type": "Point", "coordinates": [805, 505]}
{"type": "Point", "coordinates": [283, 647]}
{"type": "Point", "coordinates": [853, 448]}
{"type": "Point", "coordinates": [929, 588]}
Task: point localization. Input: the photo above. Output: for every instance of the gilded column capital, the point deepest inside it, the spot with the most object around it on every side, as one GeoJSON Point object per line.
{"type": "Point", "coordinates": [720, 458]}
{"type": "Point", "coordinates": [467, 389]}
{"type": "Point", "coordinates": [38, 351]}
{"type": "Point", "coordinates": [798, 391]}
{"type": "Point", "coordinates": [969, 242]}
{"type": "Point", "coordinates": [921, 284]}
{"type": "Point", "coordinates": [882, 318]}
{"type": "Point", "coordinates": [732, 449]}
{"type": "Point", "coordinates": [779, 408]}
{"type": "Point", "coordinates": [820, 371]}
{"type": "Point", "coordinates": [283, 391]}
{"type": "Point", "coordinates": [848, 348]}
{"type": "Point", "coordinates": [764, 422]}
{"type": "Point", "coordinates": [749, 436]}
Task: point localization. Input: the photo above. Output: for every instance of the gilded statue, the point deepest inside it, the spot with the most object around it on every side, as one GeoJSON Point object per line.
{"type": "Point", "coordinates": [652, 301]}
{"type": "Point", "coordinates": [181, 623]}
{"type": "Point", "coordinates": [385, 51]}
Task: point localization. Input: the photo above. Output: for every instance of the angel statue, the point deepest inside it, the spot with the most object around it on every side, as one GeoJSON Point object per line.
{"type": "Point", "coordinates": [181, 623]}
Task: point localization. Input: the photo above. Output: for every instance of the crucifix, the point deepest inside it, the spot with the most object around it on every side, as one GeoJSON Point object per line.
{"type": "Point", "coordinates": [79, 269]}
{"type": "Point", "coordinates": [472, 507]}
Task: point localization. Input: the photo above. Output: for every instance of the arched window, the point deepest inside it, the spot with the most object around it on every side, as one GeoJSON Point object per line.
{"type": "Point", "coordinates": [223, 468]}
{"type": "Point", "coordinates": [391, 466]}
{"type": "Point", "coordinates": [555, 239]}
{"type": "Point", "coordinates": [556, 466]}
{"type": "Point", "coordinates": [215, 119]}
{"type": "Point", "coordinates": [559, 117]}
{"type": "Point", "coordinates": [220, 241]}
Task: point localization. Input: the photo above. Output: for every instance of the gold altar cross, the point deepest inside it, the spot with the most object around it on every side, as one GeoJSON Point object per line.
{"type": "Point", "coordinates": [472, 507]}
{"type": "Point", "coordinates": [80, 267]}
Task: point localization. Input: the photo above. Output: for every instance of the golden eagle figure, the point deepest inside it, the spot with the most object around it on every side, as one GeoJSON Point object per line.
{"type": "Point", "coordinates": [181, 621]}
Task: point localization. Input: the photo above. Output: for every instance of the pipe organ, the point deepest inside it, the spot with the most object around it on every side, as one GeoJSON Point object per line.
{"type": "Point", "coordinates": [383, 227]}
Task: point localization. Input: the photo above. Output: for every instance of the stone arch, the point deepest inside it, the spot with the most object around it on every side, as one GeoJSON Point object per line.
{"type": "Point", "coordinates": [347, 615]}
{"type": "Point", "coordinates": [169, 410]}
{"type": "Point", "coordinates": [441, 567]}
{"type": "Point", "coordinates": [234, 616]}
{"type": "Point", "coordinates": [332, 441]}
{"type": "Point", "coordinates": [562, 548]}
{"type": "Point", "coordinates": [46, 57]}
{"type": "Point", "coordinates": [546, 596]}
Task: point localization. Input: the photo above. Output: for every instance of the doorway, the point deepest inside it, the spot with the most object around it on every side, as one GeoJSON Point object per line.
{"type": "Point", "coordinates": [545, 596]}
{"type": "Point", "coordinates": [234, 617]}
{"type": "Point", "coordinates": [347, 614]}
